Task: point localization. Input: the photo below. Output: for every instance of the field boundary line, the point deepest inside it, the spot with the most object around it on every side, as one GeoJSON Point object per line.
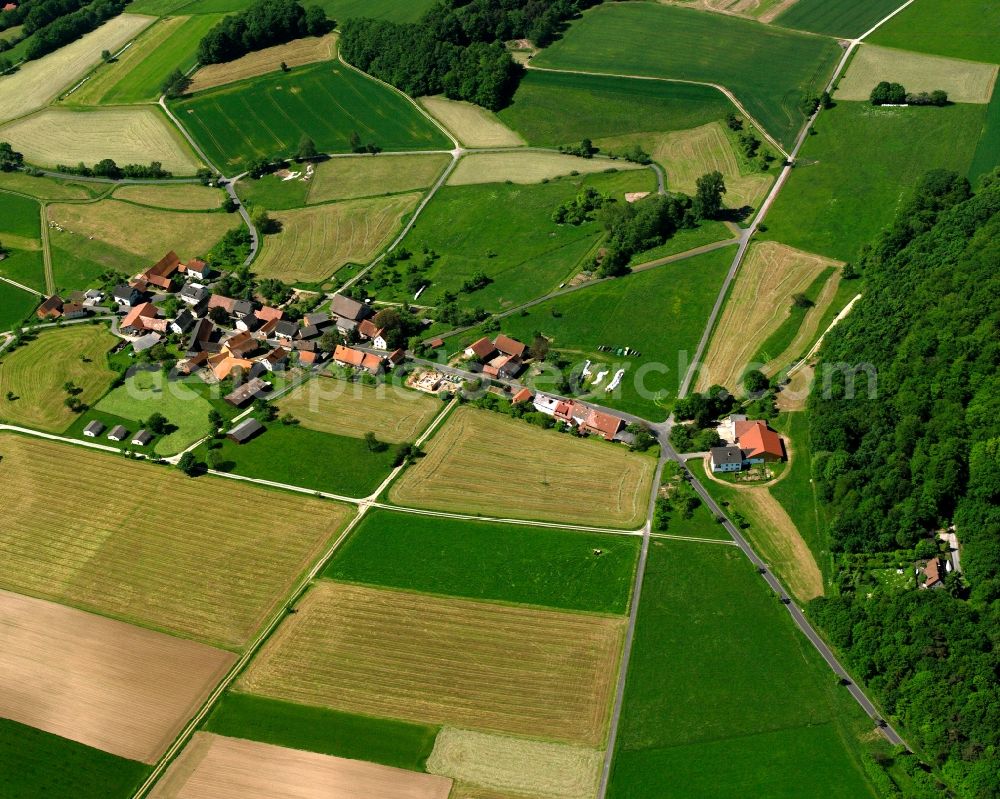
{"type": "Point", "coordinates": [21, 286]}
{"type": "Point", "coordinates": [668, 537]}
{"type": "Point", "coordinates": [50, 275]}
{"type": "Point", "coordinates": [717, 86]}
{"type": "Point", "coordinates": [279, 616]}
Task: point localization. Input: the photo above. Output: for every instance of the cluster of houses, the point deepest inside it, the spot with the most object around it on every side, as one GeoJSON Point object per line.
{"type": "Point", "coordinates": [748, 443]}
{"type": "Point", "coordinates": [228, 337]}
{"type": "Point", "coordinates": [501, 357]}
{"type": "Point", "coordinates": [585, 419]}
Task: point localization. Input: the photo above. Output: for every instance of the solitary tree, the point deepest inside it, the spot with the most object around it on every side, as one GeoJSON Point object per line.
{"type": "Point", "coordinates": [188, 464]}
{"type": "Point", "coordinates": [157, 423]}
{"type": "Point", "coordinates": [307, 149]}
{"type": "Point", "coordinates": [708, 196]}
{"type": "Point", "coordinates": [371, 442]}
{"type": "Point", "coordinates": [755, 381]}
{"type": "Point", "coordinates": [105, 56]}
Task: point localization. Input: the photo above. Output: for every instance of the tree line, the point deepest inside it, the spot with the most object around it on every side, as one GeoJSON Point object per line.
{"type": "Point", "coordinates": [886, 93]}
{"type": "Point", "coordinates": [71, 27]}
{"type": "Point", "coordinates": [456, 49]}
{"type": "Point", "coordinates": [263, 24]}
{"type": "Point", "coordinates": [918, 454]}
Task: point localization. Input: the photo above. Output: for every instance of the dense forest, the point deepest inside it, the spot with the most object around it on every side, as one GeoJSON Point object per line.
{"type": "Point", "coordinates": [263, 24]}
{"type": "Point", "coordinates": [53, 23]}
{"type": "Point", "coordinates": [918, 453]}
{"type": "Point", "coordinates": [456, 48]}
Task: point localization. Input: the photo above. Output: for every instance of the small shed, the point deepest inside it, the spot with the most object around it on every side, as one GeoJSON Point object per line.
{"type": "Point", "coordinates": [94, 429]}
{"type": "Point", "coordinates": [118, 433]}
{"type": "Point", "coordinates": [244, 431]}
{"type": "Point", "coordinates": [248, 391]}
{"type": "Point", "coordinates": [142, 438]}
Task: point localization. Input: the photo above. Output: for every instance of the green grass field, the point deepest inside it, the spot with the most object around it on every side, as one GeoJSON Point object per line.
{"type": "Point", "coordinates": [36, 764]}
{"type": "Point", "coordinates": [957, 28]}
{"type": "Point", "coordinates": [660, 312]}
{"type": "Point", "coordinates": [25, 267]}
{"type": "Point", "coordinates": [15, 305]}
{"type": "Point", "coordinates": [329, 732]}
{"type": "Point", "coordinates": [145, 393]}
{"type": "Point", "coordinates": [45, 188]}
{"type": "Point", "coordinates": [396, 10]}
{"type": "Point", "coordinates": [845, 18]}
{"type": "Point", "coordinates": [78, 262]}
{"type": "Point", "coordinates": [521, 249]}
{"type": "Point", "coordinates": [860, 165]}
{"type": "Point", "coordinates": [136, 77]}
{"type": "Point", "coordinates": [550, 108]}
{"type": "Point", "coordinates": [724, 697]}
{"type": "Point", "coordinates": [796, 492]}
{"type": "Point", "coordinates": [987, 155]}
{"type": "Point", "coordinates": [496, 562]}
{"type": "Point", "coordinates": [296, 455]}
{"type": "Point", "coordinates": [769, 69]}
{"type": "Point", "coordinates": [21, 217]}
{"type": "Point", "coordinates": [267, 116]}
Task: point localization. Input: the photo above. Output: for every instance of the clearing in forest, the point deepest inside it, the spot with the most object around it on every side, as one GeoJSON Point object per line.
{"type": "Point", "coordinates": [471, 124]}
{"type": "Point", "coordinates": [527, 167]}
{"type": "Point", "coordinates": [965, 81]}
{"type": "Point", "coordinates": [145, 543]}
{"type": "Point", "coordinates": [146, 232]}
{"type": "Point", "coordinates": [759, 301]}
{"type": "Point", "coordinates": [126, 134]}
{"type": "Point", "coordinates": [103, 683]}
{"type": "Point", "coordinates": [32, 377]}
{"type": "Point", "coordinates": [215, 767]}
{"type": "Point", "coordinates": [394, 414]}
{"type": "Point", "coordinates": [37, 82]}
{"type": "Point", "coordinates": [315, 242]}
{"type": "Point", "coordinates": [516, 765]}
{"type": "Point", "coordinates": [292, 54]}
{"type": "Point", "coordinates": [534, 474]}
{"type": "Point", "coordinates": [439, 660]}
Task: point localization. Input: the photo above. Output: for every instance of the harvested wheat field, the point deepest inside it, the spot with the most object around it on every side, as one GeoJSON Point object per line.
{"type": "Point", "coordinates": [526, 167]}
{"type": "Point", "coordinates": [438, 660]}
{"type": "Point", "coordinates": [315, 242]}
{"type": "Point", "coordinates": [32, 376]}
{"type": "Point", "coordinates": [759, 301]}
{"type": "Point", "coordinates": [471, 124]}
{"type": "Point", "coordinates": [369, 175]}
{"type": "Point", "coordinates": [686, 155]}
{"type": "Point", "coordinates": [763, 10]}
{"type": "Point", "coordinates": [37, 82]}
{"type": "Point", "coordinates": [100, 682]}
{"type": "Point", "coordinates": [294, 54]}
{"type": "Point", "coordinates": [146, 232]}
{"type": "Point", "coordinates": [216, 767]}
{"type": "Point", "coordinates": [145, 543]}
{"type": "Point", "coordinates": [532, 474]}
{"type": "Point", "coordinates": [392, 413]}
{"type": "Point", "coordinates": [182, 197]}
{"type": "Point", "coordinates": [127, 135]}
{"type": "Point", "coordinates": [965, 81]}
{"type": "Point", "coordinates": [516, 765]}
{"type": "Point", "coordinates": [809, 329]}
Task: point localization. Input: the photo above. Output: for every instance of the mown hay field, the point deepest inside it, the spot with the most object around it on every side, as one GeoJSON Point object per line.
{"type": "Point", "coordinates": [845, 18]}
{"type": "Point", "coordinates": [366, 176]}
{"type": "Point", "coordinates": [214, 767]}
{"type": "Point", "coordinates": [137, 75]}
{"type": "Point", "coordinates": [296, 53]}
{"type": "Point", "coordinates": [183, 197]}
{"type": "Point", "coordinates": [146, 232]}
{"type": "Point", "coordinates": [807, 327]}
{"type": "Point", "coordinates": [126, 135]}
{"type": "Point", "coordinates": [439, 660]}
{"type": "Point", "coordinates": [769, 69]}
{"type": "Point", "coordinates": [267, 116]}
{"type": "Point", "coordinates": [392, 413]}
{"type": "Point", "coordinates": [545, 475]}
{"type": "Point", "coordinates": [965, 81]}
{"type": "Point", "coordinates": [315, 242]}
{"type": "Point", "coordinates": [144, 543]}
{"type": "Point", "coordinates": [103, 683]}
{"type": "Point", "coordinates": [526, 167]}
{"type": "Point", "coordinates": [471, 124]}
{"type": "Point", "coordinates": [37, 82]}
{"type": "Point", "coordinates": [759, 301]}
{"type": "Point", "coordinates": [516, 765]}
{"type": "Point", "coordinates": [686, 155]}
{"type": "Point", "coordinates": [35, 373]}
{"type": "Point", "coordinates": [46, 188]}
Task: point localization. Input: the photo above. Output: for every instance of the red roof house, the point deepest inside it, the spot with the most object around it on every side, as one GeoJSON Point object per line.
{"type": "Point", "coordinates": [758, 441]}
{"type": "Point", "coordinates": [510, 346]}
